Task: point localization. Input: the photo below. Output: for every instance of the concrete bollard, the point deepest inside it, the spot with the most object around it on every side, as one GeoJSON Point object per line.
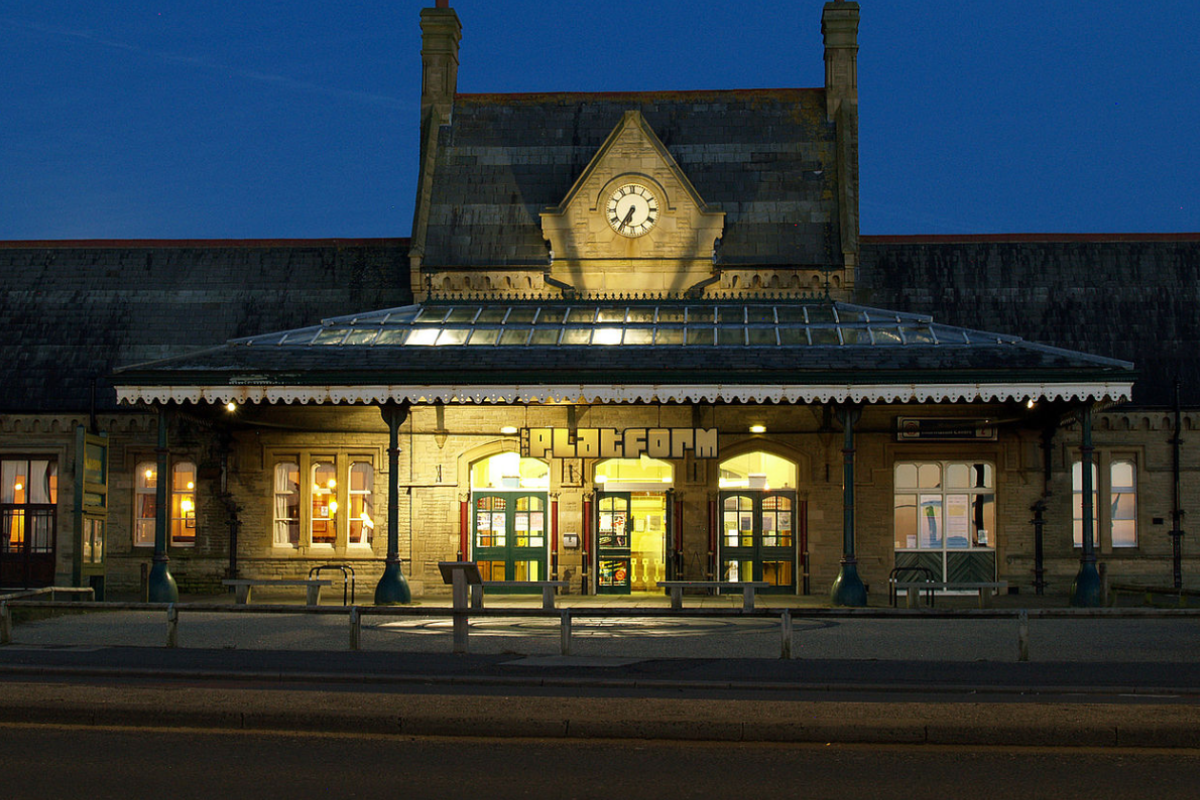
{"type": "Point", "coordinates": [785, 632]}
{"type": "Point", "coordinates": [172, 626]}
{"type": "Point", "coordinates": [565, 631]}
{"type": "Point", "coordinates": [5, 624]}
{"type": "Point", "coordinates": [1023, 636]}
{"type": "Point", "coordinates": [355, 628]}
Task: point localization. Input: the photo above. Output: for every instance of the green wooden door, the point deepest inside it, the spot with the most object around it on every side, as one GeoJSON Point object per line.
{"type": "Point", "coordinates": [758, 538]}
{"type": "Point", "coordinates": [510, 536]}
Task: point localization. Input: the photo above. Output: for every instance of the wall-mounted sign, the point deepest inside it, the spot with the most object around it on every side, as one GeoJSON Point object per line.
{"type": "Point", "coordinates": [612, 443]}
{"type": "Point", "coordinates": [944, 429]}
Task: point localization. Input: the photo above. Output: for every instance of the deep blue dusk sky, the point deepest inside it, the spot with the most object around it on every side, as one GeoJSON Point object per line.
{"type": "Point", "coordinates": [265, 119]}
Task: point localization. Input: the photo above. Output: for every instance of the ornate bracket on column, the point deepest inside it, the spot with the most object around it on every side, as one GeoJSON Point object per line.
{"type": "Point", "coordinates": [393, 587]}
{"type": "Point", "coordinates": [848, 588]}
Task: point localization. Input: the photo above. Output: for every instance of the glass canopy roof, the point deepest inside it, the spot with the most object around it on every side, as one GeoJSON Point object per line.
{"type": "Point", "coordinates": [633, 323]}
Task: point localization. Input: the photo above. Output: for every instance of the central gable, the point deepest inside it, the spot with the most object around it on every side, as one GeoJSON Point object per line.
{"type": "Point", "coordinates": [667, 248]}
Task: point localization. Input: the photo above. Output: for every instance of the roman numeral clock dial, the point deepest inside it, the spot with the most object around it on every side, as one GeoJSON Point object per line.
{"type": "Point", "coordinates": [632, 210]}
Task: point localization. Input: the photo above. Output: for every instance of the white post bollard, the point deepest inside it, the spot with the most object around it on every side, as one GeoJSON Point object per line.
{"type": "Point", "coordinates": [172, 626]}
{"type": "Point", "coordinates": [355, 628]}
{"type": "Point", "coordinates": [785, 629]}
{"type": "Point", "coordinates": [1023, 636]}
{"type": "Point", "coordinates": [565, 631]}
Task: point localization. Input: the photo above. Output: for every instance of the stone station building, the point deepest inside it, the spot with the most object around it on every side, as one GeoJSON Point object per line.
{"type": "Point", "coordinates": [634, 337]}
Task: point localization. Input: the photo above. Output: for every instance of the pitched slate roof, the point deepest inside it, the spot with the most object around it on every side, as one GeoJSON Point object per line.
{"type": "Point", "coordinates": [765, 157]}
{"type": "Point", "coordinates": [617, 350]}
{"type": "Point", "coordinates": [72, 311]}
{"type": "Point", "coordinates": [1134, 297]}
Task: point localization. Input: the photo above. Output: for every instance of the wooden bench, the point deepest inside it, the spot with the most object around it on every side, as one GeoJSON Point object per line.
{"type": "Point", "coordinates": [548, 588]}
{"type": "Point", "coordinates": [985, 589]}
{"type": "Point", "coordinates": [242, 587]}
{"type": "Point", "coordinates": [748, 589]}
{"type": "Point", "coordinates": [1149, 593]}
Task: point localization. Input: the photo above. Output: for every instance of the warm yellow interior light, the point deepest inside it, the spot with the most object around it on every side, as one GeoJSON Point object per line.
{"type": "Point", "coordinates": [149, 474]}
{"type": "Point", "coordinates": [187, 506]}
{"type": "Point", "coordinates": [191, 486]}
{"type": "Point", "coordinates": [758, 428]}
{"type": "Point", "coordinates": [508, 430]}
{"type": "Point", "coordinates": [333, 506]}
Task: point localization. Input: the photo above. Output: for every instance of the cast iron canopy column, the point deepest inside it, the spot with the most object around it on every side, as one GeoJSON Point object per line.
{"type": "Point", "coordinates": [160, 587]}
{"type": "Point", "coordinates": [848, 589]}
{"type": "Point", "coordinates": [1085, 591]}
{"type": "Point", "coordinates": [393, 587]}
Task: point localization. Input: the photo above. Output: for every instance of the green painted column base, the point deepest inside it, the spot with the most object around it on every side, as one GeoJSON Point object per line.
{"type": "Point", "coordinates": [160, 585]}
{"type": "Point", "coordinates": [393, 587]}
{"type": "Point", "coordinates": [848, 588]}
{"type": "Point", "coordinates": [1085, 590]}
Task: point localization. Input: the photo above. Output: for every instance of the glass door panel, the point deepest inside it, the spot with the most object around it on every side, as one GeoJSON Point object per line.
{"type": "Point", "coordinates": [509, 541]}
{"type": "Point", "coordinates": [612, 543]}
{"type": "Point", "coordinates": [758, 538]}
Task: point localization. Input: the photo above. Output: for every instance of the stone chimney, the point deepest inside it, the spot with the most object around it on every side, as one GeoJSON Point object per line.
{"type": "Point", "coordinates": [839, 26]}
{"type": "Point", "coordinates": [440, 34]}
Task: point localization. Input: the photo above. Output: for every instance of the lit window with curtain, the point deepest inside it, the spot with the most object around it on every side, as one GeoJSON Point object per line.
{"type": "Point", "coordinates": [324, 503]}
{"type": "Point", "coordinates": [183, 504]}
{"type": "Point", "coordinates": [362, 503]}
{"type": "Point", "coordinates": [287, 504]}
{"type": "Point", "coordinates": [145, 488]}
{"type": "Point", "coordinates": [28, 505]}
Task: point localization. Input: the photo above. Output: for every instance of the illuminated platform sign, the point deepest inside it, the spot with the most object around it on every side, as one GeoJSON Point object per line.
{"type": "Point", "coordinates": [613, 443]}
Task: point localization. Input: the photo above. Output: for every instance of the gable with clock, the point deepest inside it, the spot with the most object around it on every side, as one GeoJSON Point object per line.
{"type": "Point", "coordinates": [632, 222]}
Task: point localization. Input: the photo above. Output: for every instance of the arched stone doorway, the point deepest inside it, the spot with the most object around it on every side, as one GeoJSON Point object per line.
{"type": "Point", "coordinates": [634, 512]}
{"type": "Point", "coordinates": [509, 518]}
{"type": "Point", "coordinates": [764, 535]}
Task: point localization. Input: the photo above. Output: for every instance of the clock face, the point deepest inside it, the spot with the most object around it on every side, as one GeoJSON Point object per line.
{"type": "Point", "coordinates": [632, 210]}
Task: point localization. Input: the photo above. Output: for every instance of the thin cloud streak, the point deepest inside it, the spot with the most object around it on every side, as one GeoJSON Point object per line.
{"type": "Point", "coordinates": [281, 81]}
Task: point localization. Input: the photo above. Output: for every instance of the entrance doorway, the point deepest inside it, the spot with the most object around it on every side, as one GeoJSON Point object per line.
{"type": "Point", "coordinates": [763, 526]}
{"type": "Point", "coordinates": [509, 519]}
{"type": "Point", "coordinates": [633, 520]}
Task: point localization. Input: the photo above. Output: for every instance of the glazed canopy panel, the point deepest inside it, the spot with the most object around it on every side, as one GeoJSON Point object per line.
{"type": "Point", "coordinates": [534, 324]}
{"type": "Point", "coordinates": [607, 350]}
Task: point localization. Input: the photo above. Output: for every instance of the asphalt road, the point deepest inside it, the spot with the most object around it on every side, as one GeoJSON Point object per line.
{"type": "Point", "coordinates": [38, 762]}
{"type": "Point", "coordinates": [1104, 682]}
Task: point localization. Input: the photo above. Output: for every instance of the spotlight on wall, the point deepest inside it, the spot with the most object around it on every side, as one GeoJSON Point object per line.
{"type": "Point", "coordinates": [758, 428]}
{"type": "Point", "coordinates": [509, 430]}
{"type": "Point", "coordinates": [1029, 403]}
{"type": "Point", "coordinates": [231, 406]}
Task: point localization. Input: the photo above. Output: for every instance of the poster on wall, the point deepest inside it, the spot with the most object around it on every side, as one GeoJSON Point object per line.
{"type": "Point", "coordinates": [958, 520]}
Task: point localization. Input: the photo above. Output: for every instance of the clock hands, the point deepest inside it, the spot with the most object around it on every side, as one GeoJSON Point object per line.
{"type": "Point", "coordinates": [628, 219]}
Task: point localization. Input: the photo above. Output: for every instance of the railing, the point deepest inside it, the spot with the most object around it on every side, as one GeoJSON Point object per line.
{"type": "Point", "coordinates": [567, 617]}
